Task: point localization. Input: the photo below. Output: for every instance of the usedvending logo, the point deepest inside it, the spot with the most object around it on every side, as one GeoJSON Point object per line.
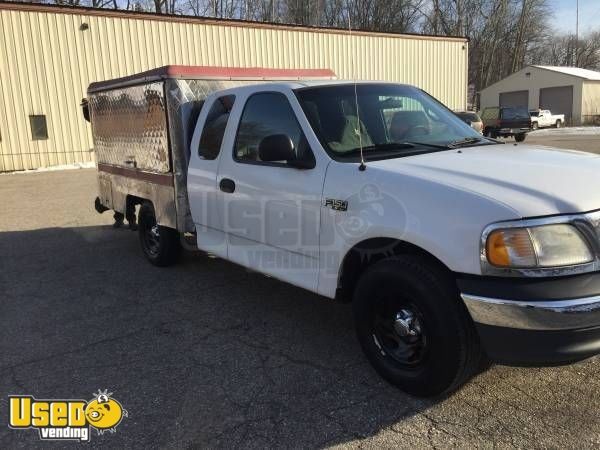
{"type": "Point", "coordinates": [66, 419]}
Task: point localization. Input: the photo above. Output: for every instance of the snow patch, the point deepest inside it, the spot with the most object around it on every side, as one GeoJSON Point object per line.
{"type": "Point", "coordinates": [83, 165]}
{"type": "Point", "coordinates": [581, 131]}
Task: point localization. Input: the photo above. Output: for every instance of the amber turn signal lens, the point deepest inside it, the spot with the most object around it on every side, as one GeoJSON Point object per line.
{"type": "Point", "coordinates": [511, 248]}
{"type": "Point", "coordinates": [497, 253]}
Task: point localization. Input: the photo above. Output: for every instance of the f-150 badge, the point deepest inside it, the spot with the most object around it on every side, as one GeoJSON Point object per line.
{"type": "Point", "coordinates": [336, 205]}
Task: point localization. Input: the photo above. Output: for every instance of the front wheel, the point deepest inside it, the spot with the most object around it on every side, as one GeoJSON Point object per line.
{"type": "Point", "coordinates": [413, 327]}
{"type": "Point", "coordinates": [534, 126]}
{"type": "Point", "coordinates": [160, 244]}
{"type": "Point", "coordinates": [520, 137]}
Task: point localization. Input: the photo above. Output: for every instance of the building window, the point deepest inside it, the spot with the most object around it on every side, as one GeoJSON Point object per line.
{"type": "Point", "coordinates": [39, 128]}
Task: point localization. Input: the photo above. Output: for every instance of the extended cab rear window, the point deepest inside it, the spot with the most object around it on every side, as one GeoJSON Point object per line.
{"type": "Point", "coordinates": [515, 113]}
{"type": "Point", "coordinates": [214, 127]}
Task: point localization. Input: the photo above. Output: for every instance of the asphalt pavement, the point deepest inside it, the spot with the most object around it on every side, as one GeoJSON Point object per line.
{"type": "Point", "coordinates": [587, 143]}
{"type": "Point", "coordinates": [207, 354]}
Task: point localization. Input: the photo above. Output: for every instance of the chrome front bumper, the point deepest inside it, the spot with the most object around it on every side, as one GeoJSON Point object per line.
{"type": "Point", "coordinates": [571, 314]}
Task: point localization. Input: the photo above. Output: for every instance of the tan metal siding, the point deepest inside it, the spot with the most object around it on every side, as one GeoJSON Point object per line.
{"type": "Point", "coordinates": [591, 102]}
{"type": "Point", "coordinates": [47, 62]}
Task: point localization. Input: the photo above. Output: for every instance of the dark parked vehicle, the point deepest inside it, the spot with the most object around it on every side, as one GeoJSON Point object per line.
{"type": "Point", "coordinates": [506, 121]}
{"type": "Point", "coordinates": [472, 119]}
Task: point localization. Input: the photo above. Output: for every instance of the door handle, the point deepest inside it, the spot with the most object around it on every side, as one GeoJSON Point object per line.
{"type": "Point", "coordinates": [227, 185]}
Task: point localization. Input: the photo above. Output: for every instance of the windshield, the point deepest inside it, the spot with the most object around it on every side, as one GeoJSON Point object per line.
{"type": "Point", "coordinates": [515, 113]}
{"type": "Point", "coordinates": [534, 113]}
{"type": "Point", "coordinates": [393, 118]}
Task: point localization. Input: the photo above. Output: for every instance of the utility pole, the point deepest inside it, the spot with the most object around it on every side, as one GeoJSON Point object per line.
{"type": "Point", "coordinates": [577, 35]}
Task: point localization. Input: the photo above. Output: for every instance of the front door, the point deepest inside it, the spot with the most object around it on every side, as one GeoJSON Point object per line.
{"type": "Point", "coordinates": [272, 210]}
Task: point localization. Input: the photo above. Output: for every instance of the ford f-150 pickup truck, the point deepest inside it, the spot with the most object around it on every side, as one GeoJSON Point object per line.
{"type": "Point", "coordinates": [453, 248]}
{"type": "Point", "coordinates": [543, 118]}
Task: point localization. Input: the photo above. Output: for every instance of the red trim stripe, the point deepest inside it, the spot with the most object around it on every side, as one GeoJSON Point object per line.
{"type": "Point", "coordinates": [216, 72]}
{"type": "Point", "coordinates": [164, 179]}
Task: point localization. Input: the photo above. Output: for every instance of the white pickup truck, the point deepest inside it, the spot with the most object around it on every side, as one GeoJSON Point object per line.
{"type": "Point", "coordinates": [452, 247]}
{"type": "Point", "coordinates": [543, 118]}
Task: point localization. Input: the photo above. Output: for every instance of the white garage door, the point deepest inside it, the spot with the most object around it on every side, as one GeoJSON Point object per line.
{"type": "Point", "coordinates": [515, 98]}
{"type": "Point", "coordinates": [559, 100]}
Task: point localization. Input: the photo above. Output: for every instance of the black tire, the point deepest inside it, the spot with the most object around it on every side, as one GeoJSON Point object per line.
{"type": "Point", "coordinates": [534, 126]}
{"type": "Point", "coordinates": [558, 124]}
{"type": "Point", "coordinates": [491, 133]}
{"type": "Point", "coordinates": [520, 137]}
{"type": "Point", "coordinates": [160, 244]}
{"type": "Point", "coordinates": [444, 354]}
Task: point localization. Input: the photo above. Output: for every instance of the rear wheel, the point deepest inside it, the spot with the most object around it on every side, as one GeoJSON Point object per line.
{"type": "Point", "coordinates": [558, 124]}
{"type": "Point", "coordinates": [413, 327]}
{"type": "Point", "coordinates": [490, 133]}
{"type": "Point", "coordinates": [160, 244]}
{"type": "Point", "coordinates": [520, 137]}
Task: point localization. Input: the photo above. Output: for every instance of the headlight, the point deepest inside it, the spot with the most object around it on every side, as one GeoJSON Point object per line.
{"type": "Point", "coordinates": [546, 246]}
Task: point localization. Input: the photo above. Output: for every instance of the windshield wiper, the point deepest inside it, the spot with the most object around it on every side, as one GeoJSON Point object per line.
{"type": "Point", "coordinates": [386, 146]}
{"type": "Point", "coordinates": [425, 144]}
{"type": "Point", "coordinates": [474, 140]}
{"type": "Point", "coordinates": [391, 146]}
{"type": "Point", "coordinates": [465, 141]}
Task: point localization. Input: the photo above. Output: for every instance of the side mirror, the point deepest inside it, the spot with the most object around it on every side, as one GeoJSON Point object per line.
{"type": "Point", "coordinates": [85, 109]}
{"type": "Point", "coordinates": [280, 147]}
{"type": "Point", "coordinates": [276, 148]}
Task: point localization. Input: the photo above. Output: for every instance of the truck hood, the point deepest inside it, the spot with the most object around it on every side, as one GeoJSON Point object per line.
{"type": "Point", "coordinates": [531, 180]}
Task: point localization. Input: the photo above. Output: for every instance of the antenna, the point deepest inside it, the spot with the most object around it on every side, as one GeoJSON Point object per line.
{"type": "Point", "coordinates": [357, 130]}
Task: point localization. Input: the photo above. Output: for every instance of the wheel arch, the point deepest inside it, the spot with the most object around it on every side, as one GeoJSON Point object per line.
{"type": "Point", "coordinates": [131, 201]}
{"type": "Point", "coordinates": [369, 251]}
{"type": "Point", "coordinates": [164, 206]}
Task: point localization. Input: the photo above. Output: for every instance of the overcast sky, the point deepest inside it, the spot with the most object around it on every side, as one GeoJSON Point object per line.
{"type": "Point", "coordinates": [564, 15]}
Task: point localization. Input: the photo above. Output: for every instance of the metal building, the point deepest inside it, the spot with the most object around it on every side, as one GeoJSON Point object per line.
{"type": "Point", "coordinates": [50, 54]}
{"type": "Point", "coordinates": [570, 91]}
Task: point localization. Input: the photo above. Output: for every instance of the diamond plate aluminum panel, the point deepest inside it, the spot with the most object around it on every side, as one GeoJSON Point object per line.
{"type": "Point", "coordinates": [129, 127]}
{"type": "Point", "coordinates": [134, 126]}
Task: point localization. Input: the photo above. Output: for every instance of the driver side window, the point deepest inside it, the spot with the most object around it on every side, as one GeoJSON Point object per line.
{"type": "Point", "coordinates": [267, 114]}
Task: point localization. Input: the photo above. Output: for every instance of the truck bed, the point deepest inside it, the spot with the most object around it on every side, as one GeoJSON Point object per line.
{"type": "Point", "coordinates": [142, 126]}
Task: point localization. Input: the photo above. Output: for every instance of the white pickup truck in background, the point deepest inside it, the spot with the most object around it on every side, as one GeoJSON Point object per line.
{"type": "Point", "coordinates": [543, 118]}
{"type": "Point", "coordinates": [452, 247]}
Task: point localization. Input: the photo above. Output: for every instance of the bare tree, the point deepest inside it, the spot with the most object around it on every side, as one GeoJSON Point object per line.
{"type": "Point", "coordinates": [561, 51]}
{"type": "Point", "coordinates": [503, 33]}
{"type": "Point", "coordinates": [390, 15]}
